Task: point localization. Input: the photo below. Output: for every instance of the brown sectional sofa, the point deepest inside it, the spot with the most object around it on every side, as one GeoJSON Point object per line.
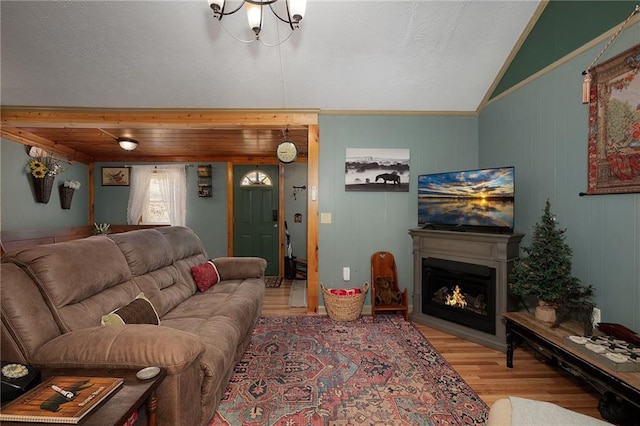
{"type": "Point", "coordinates": [53, 298]}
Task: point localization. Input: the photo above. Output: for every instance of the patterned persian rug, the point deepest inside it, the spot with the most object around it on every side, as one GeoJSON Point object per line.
{"type": "Point", "coordinates": [310, 370]}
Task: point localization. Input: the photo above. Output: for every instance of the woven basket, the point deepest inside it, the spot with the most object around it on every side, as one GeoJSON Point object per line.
{"type": "Point", "coordinates": [42, 188]}
{"type": "Point", "coordinates": [344, 308]}
{"type": "Point", "coordinates": [66, 195]}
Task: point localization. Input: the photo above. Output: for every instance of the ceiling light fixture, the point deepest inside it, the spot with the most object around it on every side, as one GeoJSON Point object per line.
{"type": "Point", "coordinates": [255, 9]}
{"type": "Point", "coordinates": [127, 144]}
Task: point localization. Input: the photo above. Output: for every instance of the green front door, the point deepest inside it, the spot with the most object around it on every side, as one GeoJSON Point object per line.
{"type": "Point", "coordinates": [255, 214]}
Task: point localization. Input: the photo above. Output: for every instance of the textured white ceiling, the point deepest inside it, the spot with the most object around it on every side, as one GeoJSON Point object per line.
{"type": "Point", "coordinates": [348, 55]}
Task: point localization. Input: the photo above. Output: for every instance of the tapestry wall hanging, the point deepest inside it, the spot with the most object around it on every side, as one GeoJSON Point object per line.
{"type": "Point", "coordinates": [614, 125]}
{"type": "Point", "coordinates": [377, 169]}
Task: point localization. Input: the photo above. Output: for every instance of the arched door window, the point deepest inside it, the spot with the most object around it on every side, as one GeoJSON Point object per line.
{"type": "Point", "coordinates": [256, 178]}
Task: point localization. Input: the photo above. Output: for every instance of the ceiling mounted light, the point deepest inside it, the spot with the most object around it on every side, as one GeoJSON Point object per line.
{"type": "Point", "coordinates": [127, 144]}
{"type": "Point", "coordinates": [255, 9]}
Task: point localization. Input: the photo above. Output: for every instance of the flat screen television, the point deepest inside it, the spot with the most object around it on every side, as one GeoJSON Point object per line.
{"type": "Point", "coordinates": [482, 200]}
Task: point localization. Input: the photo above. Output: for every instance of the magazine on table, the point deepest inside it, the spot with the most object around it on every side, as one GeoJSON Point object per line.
{"type": "Point", "coordinates": [60, 399]}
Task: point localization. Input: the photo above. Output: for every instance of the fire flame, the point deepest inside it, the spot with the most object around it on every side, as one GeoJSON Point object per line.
{"type": "Point", "coordinates": [456, 299]}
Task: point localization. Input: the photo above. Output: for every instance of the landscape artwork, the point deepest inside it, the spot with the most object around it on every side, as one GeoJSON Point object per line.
{"type": "Point", "coordinates": [377, 169]}
{"type": "Point", "coordinates": [474, 197]}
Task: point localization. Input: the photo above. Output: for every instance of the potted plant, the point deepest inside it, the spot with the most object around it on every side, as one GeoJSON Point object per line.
{"type": "Point", "coordinates": [101, 228]}
{"type": "Point", "coordinates": [546, 274]}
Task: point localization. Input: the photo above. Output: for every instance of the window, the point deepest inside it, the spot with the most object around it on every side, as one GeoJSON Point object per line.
{"type": "Point", "coordinates": [157, 195]}
{"type": "Point", "coordinates": [255, 178]}
{"type": "Point", "coordinates": [155, 211]}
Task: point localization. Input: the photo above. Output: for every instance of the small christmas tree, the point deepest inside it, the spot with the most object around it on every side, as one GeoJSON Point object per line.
{"type": "Point", "coordinates": [546, 272]}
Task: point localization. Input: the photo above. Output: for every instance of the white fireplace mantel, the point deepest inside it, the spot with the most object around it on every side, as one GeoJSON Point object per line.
{"type": "Point", "coordinates": [493, 250]}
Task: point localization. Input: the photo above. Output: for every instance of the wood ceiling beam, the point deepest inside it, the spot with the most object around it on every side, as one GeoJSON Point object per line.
{"type": "Point", "coordinates": [142, 119]}
{"type": "Point", "coordinates": [29, 139]}
{"type": "Point", "coordinates": [272, 160]}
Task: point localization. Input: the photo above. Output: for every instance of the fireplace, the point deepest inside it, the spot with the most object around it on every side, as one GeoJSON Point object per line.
{"type": "Point", "coordinates": [464, 293]}
{"type": "Point", "coordinates": [478, 264]}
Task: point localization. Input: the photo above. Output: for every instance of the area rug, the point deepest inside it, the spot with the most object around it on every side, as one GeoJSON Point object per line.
{"type": "Point", "coordinates": [310, 370]}
{"type": "Point", "coordinates": [298, 294]}
{"type": "Point", "coordinates": [272, 281]}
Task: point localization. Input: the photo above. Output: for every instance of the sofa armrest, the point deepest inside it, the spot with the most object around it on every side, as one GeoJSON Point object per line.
{"type": "Point", "coordinates": [233, 268]}
{"type": "Point", "coordinates": [121, 346]}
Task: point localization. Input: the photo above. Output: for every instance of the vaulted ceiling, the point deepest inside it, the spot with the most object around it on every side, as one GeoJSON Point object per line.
{"type": "Point", "coordinates": [348, 56]}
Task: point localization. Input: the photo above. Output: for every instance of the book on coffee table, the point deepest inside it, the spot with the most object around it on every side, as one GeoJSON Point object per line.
{"type": "Point", "coordinates": [60, 399]}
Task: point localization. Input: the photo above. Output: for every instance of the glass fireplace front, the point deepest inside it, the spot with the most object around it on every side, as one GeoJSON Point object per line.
{"type": "Point", "coordinates": [463, 293]}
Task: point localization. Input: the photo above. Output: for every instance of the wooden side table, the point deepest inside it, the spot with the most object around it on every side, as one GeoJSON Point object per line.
{"type": "Point", "coordinates": [119, 407]}
{"type": "Point", "coordinates": [549, 341]}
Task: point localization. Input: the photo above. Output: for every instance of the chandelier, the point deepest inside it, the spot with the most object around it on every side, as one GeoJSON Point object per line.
{"type": "Point", "coordinates": [255, 10]}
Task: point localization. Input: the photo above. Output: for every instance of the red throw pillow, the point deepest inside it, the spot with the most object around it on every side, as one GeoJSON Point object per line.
{"type": "Point", "coordinates": [205, 275]}
{"type": "Point", "coordinates": [345, 291]}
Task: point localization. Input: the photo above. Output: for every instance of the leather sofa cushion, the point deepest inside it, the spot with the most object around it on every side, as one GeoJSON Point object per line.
{"type": "Point", "coordinates": [145, 250]}
{"type": "Point", "coordinates": [183, 241]}
{"type": "Point", "coordinates": [220, 317]}
{"type": "Point", "coordinates": [132, 346]}
{"type": "Point", "coordinates": [26, 320]}
{"type": "Point", "coordinates": [233, 268]}
{"type": "Point", "coordinates": [166, 281]}
{"type": "Point", "coordinates": [72, 271]}
{"type": "Point", "coordinates": [82, 279]}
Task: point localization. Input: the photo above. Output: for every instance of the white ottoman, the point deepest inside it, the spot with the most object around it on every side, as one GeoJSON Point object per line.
{"type": "Point", "coordinates": [514, 411]}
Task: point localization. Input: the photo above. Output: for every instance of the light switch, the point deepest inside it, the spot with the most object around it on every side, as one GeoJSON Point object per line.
{"type": "Point", "coordinates": [325, 217]}
{"type": "Point", "coordinates": [346, 273]}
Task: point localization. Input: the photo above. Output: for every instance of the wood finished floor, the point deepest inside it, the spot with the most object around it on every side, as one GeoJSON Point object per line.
{"type": "Point", "coordinates": [485, 369]}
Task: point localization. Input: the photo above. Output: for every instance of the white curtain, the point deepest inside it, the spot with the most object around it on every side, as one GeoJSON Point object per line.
{"type": "Point", "coordinates": [172, 181]}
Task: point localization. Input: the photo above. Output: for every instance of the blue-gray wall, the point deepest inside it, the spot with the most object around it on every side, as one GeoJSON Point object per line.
{"type": "Point", "coordinates": [541, 129]}
{"type": "Point", "coordinates": [366, 222]}
{"type": "Point", "coordinates": [18, 206]}
{"type": "Point", "coordinates": [207, 216]}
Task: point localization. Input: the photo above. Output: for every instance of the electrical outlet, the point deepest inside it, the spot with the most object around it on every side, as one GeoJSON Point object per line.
{"type": "Point", "coordinates": [346, 273]}
{"type": "Point", "coordinates": [597, 318]}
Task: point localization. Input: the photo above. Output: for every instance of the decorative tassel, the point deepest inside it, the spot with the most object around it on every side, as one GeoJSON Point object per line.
{"type": "Point", "coordinates": [586, 84]}
{"type": "Point", "coordinates": [586, 87]}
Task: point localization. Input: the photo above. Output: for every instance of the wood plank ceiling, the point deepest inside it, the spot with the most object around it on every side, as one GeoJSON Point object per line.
{"type": "Point", "coordinates": [163, 137]}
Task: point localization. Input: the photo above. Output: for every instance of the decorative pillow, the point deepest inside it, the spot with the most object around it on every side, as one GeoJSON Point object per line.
{"type": "Point", "coordinates": [205, 275]}
{"type": "Point", "coordinates": [345, 291]}
{"type": "Point", "coordinates": [139, 311]}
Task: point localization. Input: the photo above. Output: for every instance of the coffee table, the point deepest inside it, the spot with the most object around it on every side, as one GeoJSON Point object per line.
{"type": "Point", "coordinates": [119, 407]}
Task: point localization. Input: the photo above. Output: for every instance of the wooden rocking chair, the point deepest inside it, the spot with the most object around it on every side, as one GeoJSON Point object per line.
{"type": "Point", "coordinates": [385, 293]}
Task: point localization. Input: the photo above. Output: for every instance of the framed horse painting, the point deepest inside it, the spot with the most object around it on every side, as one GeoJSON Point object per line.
{"type": "Point", "coordinates": [377, 169]}
{"type": "Point", "coordinates": [614, 125]}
